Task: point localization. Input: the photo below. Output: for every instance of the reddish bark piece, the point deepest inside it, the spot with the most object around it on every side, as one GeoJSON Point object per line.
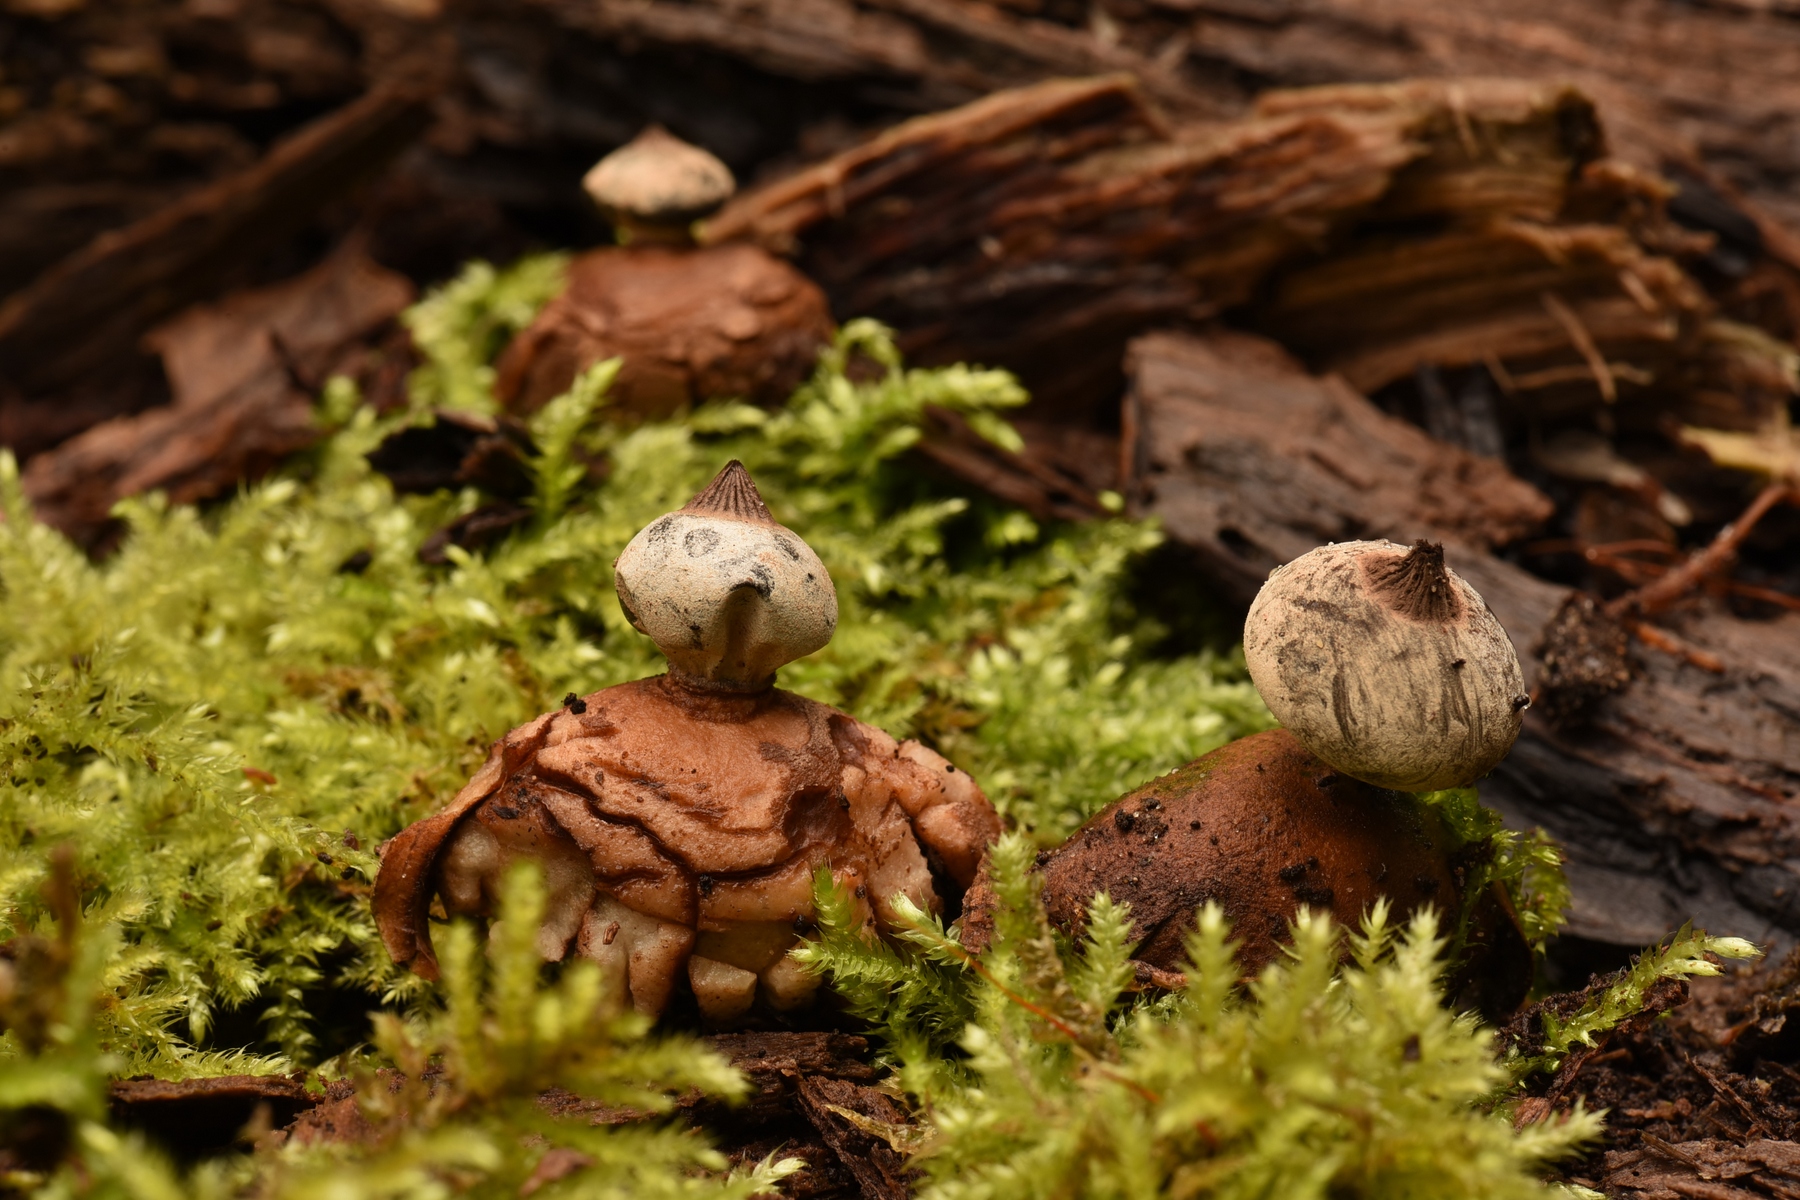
{"type": "Point", "coordinates": [96, 303]}
{"type": "Point", "coordinates": [1256, 462]}
{"type": "Point", "coordinates": [691, 325]}
{"type": "Point", "coordinates": [194, 1116]}
{"type": "Point", "coordinates": [241, 371]}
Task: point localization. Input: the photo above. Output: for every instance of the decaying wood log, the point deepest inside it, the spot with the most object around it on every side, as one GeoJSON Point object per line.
{"type": "Point", "coordinates": [1713, 82]}
{"type": "Point", "coordinates": [94, 306]}
{"type": "Point", "coordinates": [244, 373]}
{"type": "Point", "coordinates": [1676, 799]}
{"type": "Point", "coordinates": [1039, 228]}
{"type": "Point", "coordinates": [1709, 86]}
{"type": "Point", "coordinates": [905, 54]}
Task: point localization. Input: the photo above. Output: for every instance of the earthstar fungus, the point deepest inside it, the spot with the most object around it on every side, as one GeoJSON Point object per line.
{"type": "Point", "coordinates": [1261, 827]}
{"type": "Point", "coordinates": [679, 820]}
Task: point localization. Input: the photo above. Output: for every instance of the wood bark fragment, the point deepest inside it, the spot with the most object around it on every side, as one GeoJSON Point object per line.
{"type": "Point", "coordinates": [1039, 228]}
{"type": "Point", "coordinates": [191, 1117]}
{"type": "Point", "coordinates": [95, 304]}
{"type": "Point", "coordinates": [1676, 800]}
{"type": "Point", "coordinates": [244, 373]}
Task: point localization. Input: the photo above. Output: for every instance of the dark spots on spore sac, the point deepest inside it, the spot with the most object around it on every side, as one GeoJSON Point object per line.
{"type": "Point", "coordinates": [1043, 857]}
{"type": "Point", "coordinates": [661, 531]}
{"type": "Point", "coordinates": [1193, 824]}
{"type": "Point", "coordinates": [1260, 769]}
{"type": "Point", "coordinates": [1214, 839]}
{"type": "Point", "coordinates": [1319, 897]}
{"type": "Point", "coordinates": [1312, 864]}
{"type": "Point", "coordinates": [862, 892]}
{"type": "Point", "coordinates": [1340, 706]}
{"type": "Point", "coordinates": [574, 704]}
{"type": "Point", "coordinates": [506, 812]}
{"type": "Point", "coordinates": [1426, 884]}
{"type": "Point", "coordinates": [761, 579]}
{"type": "Point", "coordinates": [1124, 820]}
{"type": "Point", "coordinates": [949, 769]}
{"type": "Point", "coordinates": [1152, 804]}
{"type": "Point", "coordinates": [700, 542]}
{"type": "Point", "coordinates": [1456, 665]}
{"type": "Point", "coordinates": [1291, 875]}
{"type": "Point", "coordinates": [788, 548]}
{"type": "Point", "coordinates": [599, 778]}
{"type": "Point", "coordinates": [705, 884]}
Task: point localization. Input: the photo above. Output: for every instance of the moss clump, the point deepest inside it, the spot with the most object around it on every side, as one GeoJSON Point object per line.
{"type": "Point", "coordinates": [227, 715]}
{"type": "Point", "coordinates": [1337, 1072]}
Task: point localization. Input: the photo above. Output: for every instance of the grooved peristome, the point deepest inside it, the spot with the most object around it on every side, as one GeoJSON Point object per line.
{"type": "Point", "coordinates": [1415, 584]}
{"type": "Point", "coordinates": [732, 493]}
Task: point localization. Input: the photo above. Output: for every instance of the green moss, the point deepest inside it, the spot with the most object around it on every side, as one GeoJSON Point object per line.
{"type": "Point", "coordinates": [222, 719]}
{"type": "Point", "coordinates": [1322, 1078]}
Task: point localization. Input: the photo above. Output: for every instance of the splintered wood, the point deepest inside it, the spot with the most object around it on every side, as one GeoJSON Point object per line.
{"type": "Point", "coordinates": [1038, 229]}
{"type": "Point", "coordinates": [1372, 229]}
